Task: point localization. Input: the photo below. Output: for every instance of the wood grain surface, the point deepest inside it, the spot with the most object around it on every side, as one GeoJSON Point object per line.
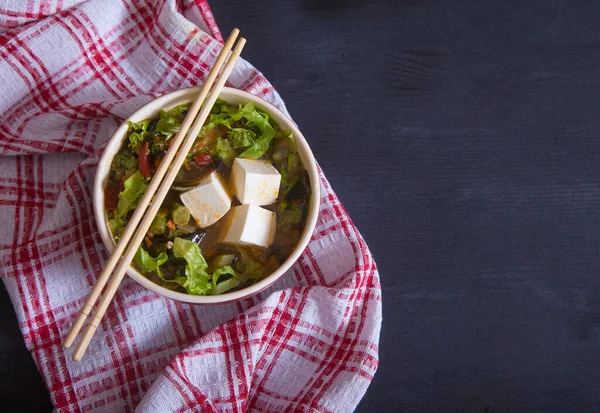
{"type": "Point", "coordinates": [463, 138]}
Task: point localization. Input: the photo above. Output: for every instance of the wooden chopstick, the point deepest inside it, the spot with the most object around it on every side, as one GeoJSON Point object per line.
{"type": "Point", "coordinates": [150, 191]}
{"type": "Point", "coordinates": [159, 185]}
{"type": "Point", "coordinates": [155, 205]}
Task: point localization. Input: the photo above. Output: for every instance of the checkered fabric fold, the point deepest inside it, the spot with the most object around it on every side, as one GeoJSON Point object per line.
{"type": "Point", "coordinates": [71, 72]}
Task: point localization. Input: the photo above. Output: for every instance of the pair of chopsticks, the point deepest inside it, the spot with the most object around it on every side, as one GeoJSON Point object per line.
{"type": "Point", "coordinates": [150, 203]}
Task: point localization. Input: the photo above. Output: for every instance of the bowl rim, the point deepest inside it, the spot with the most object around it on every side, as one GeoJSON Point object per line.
{"type": "Point", "coordinates": [178, 97]}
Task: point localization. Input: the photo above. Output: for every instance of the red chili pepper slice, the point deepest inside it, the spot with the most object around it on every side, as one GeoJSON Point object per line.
{"type": "Point", "coordinates": [144, 160]}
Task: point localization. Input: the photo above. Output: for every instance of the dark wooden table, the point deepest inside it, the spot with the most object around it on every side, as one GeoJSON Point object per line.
{"type": "Point", "coordinates": [463, 138]}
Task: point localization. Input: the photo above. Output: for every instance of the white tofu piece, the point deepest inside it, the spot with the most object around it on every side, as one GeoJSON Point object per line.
{"type": "Point", "coordinates": [255, 181]}
{"type": "Point", "coordinates": [209, 201]}
{"type": "Point", "coordinates": [250, 225]}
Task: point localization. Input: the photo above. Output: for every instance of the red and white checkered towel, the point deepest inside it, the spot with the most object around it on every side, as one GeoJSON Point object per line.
{"type": "Point", "coordinates": [71, 71]}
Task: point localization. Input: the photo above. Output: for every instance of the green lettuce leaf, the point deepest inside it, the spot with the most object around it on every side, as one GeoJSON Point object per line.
{"type": "Point", "coordinates": [139, 126]}
{"type": "Point", "coordinates": [168, 125]}
{"type": "Point", "coordinates": [247, 268]}
{"type": "Point", "coordinates": [225, 151]}
{"type": "Point", "coordinates": [287, 135]}
{"type": "Point", "coordinates": [256, 146]}
{"type": "Point", "coordinates": [253, 116]}
{"type": "Point", "coordinates": [116, 224]}
{"type": "Point", "coordinates": [178, 112]}
{"type": "Point", "coordinates": [145, 263]}
{"type": "Point", "coordinates": [242, 138]}
{"type": "Point", "coordinates": [125, 160]}
{"type": "Point", "coordinates": [217, 119]}
{"type": "Point", "coordinates": [290, 174]}
{"type": "Point", "coordinates": [137, 132]}
{"type": "Point", "coordinates": [198, 282]}
{"type": "Point", "coordinates": [129, 198]}
{"type": "Point", "coordinates": [293, 161]}
{"type": "Point", "coordinates": [221, 287]}
{"type": "Point", "coordinates": [135, 139]}
{"type": "Point", "coordinates": [219, 115]}
{"type": "Point", "coordinates": [289, 213]}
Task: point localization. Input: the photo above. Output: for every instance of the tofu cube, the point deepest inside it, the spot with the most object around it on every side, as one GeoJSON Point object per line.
{"type": "Point", "coordinates": [255, 181]}
{"type": "Point", "coordinates": [209, 201]}
{"type": "Point", "coordinates": [250, 225]}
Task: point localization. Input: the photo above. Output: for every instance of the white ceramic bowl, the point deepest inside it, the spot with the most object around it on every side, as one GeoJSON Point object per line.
{"type": "Point", "coordinates": [179, 97]}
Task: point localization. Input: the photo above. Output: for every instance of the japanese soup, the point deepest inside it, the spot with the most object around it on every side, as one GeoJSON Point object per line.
{"type": "Point", "coordinates": [236, 210]}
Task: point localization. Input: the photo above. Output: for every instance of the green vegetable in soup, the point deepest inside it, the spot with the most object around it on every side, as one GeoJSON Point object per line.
{"type": "Point", "coordinates": [289, 213]}
{"type": "Point", "coordinates": [222, 261]}
{"type": "Point", "coordinates": [139, 126]}
{"type": "Point", "coordinates": [146, 263]}
{"type": "Point", "coordinates": [242, 138]}
{"type": "Point", "coordinates": [135, 139]}
{"type": "Point", "coordinates": [138, 132]}
{"type": "Point", "coordinates": [225, 151]}
{"type": "Point", "coordinates": [257, 144]}
{"type": "Point", "coordinates": [260, 119]}
{"type": "Point", "coordinates": [129, 198]}
{"type": "Point", "coordinates": [124, 161]}
{"type": "Point", "coordinates": [290, 173]}
{"type": "Point", "coordinates": [248, 267]}
{"type": "Point", "coordinates": [178, 112]}
{"type": "Point", "coordinates": [180, 214]}
{"type": "Point", "coordinates": [159, 224]}
{"type": "Point", "coordinates": [198, 280]}
{"type": "Point", "coordinates": [168, 125]}
{"type": "Point", "coordinates": [219, 287]}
